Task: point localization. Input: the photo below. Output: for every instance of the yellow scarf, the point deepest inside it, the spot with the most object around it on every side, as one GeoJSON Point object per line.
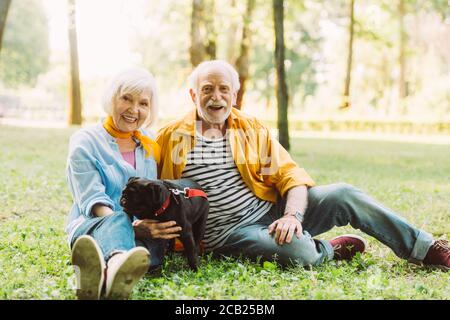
{"type": "Point", "coordinates": [150, 146]}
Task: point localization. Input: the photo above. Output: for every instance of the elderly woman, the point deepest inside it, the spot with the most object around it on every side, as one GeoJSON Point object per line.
{"type": "Point", "coordinates": [108, 249]}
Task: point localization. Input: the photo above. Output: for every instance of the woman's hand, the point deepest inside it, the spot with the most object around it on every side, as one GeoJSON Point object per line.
{"type": "Point", "coordinates": [153, 229]}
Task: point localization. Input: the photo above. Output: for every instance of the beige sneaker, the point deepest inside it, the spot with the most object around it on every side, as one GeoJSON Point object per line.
{"type": "Point", "coordinates": [87, 260]}
{"type": "Point", "coordinates": [124, 271]}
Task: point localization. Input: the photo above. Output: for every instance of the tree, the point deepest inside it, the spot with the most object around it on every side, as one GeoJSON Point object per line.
{"type": "Point", "coordinates": [303, 49]}
{"type": "Point", "coordinates": [158, 26]}
{"type": "Point", "coordinates": [232, 32]}
{"type": "Point", "coordinates": [303, 39]}
{"type": "Point", "coordinates": [25, 46]}
{"type": "Point", "coordinates": [4, 8]}
{"type": "Point", "coordinates": [211, 34]}
{"type": "Point", "coordinates": [282, 91]}
{"type": "Point", "coordinates": [242, 62]}
{"type": "Point", "coordinates": [203, 35]}
{"type": "Point", "coordinates": [401, 55]}
{"type": "Point", "coordinates": [346, 98]}
{"type": "Point", "coordinates": [75, 116]}
{"type": "Point", "coordinates": [197, 50]}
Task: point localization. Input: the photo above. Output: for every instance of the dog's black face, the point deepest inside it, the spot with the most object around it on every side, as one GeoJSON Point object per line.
{"type": "Point", "coordinates": [142, 197]}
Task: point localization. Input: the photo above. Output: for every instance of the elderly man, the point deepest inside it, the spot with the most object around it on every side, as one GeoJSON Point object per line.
{"type": "Point", "coordinates": [261, 203]}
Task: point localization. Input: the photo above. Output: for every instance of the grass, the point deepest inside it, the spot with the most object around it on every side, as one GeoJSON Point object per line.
{"type": "Point", "coordinates": [413, 179]}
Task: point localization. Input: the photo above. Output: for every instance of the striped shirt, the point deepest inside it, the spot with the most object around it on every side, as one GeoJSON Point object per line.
{"type": "Point", "coordinates": [232, 203]}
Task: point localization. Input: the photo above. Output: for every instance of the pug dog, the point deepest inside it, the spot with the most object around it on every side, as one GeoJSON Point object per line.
{"type": "Point", "coordinates": [181, 200]}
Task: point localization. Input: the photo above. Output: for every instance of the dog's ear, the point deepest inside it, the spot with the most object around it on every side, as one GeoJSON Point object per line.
{"type": "Point", "coordinates": [132, 179]}
{"type": "Point", "coordinates": [157, 193]}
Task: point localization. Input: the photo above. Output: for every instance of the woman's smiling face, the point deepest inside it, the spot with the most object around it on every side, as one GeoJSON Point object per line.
{"type": "Point", "coordinates": [131, 110]}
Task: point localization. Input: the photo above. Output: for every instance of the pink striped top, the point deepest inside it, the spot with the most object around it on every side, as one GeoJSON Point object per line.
{"type": "Point", "coordinates": [130, 158]}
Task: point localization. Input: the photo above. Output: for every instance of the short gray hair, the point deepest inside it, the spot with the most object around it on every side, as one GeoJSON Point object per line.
{"type": "Point", "coordinates": [193, 77]}
{"type": "Point", "coordinates": [133, 81]}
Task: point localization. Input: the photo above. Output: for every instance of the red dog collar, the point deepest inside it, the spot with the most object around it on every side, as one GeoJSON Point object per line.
{"type": "Point", "coordinates": [163, 207]}
{"type": "Point", "coordinates": [188, 193]}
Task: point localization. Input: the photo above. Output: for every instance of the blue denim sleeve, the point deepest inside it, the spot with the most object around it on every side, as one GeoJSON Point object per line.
{"type": "Point", "coordinates": [85, 182]}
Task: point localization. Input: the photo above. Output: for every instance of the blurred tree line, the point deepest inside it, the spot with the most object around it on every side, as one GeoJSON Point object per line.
{"type": "Point", "coordinates": [371, 57]}
{"type": "Point", "coordinates": [24, 47]}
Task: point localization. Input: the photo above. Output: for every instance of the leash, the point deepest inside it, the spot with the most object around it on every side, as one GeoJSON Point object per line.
{"type": "Point", "coordinates": [187, 192]}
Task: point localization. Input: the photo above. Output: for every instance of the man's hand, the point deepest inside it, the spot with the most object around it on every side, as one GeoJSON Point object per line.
{"type": "Point", "coordinates": [285, 228]}
{"type": "Point", "coordinates": [153, 229]}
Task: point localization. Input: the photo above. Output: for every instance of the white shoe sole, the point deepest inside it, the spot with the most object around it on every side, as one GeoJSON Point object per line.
{"type": "Point", "coordinates": [134, 266]}
{"type": "Point", "coordinates": [442, 268]}
{"type": "Point", "coordinates": [434, 266]}
{"type": "Point", "coordinates": [87, 259]}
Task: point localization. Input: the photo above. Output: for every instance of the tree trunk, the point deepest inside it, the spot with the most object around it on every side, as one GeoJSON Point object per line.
{"type": "Point", "coordinates": [282, 92]}
{"type": "Point", "coordinates": [346, 98]}
{"type": "Point", "coordinates": [197, 50]}
{"type": "Point", "coordinates": [242, 62]}
{"type": "Point", "coordinates": [203, 34]}
{"type": "Point", "coordinates": [402, 93]}
{"type": "Point", "coordinates": [232, 33]}
{"type": "Point", "coordinates": [211, 35]}
{"type": "Point", "coordinates": [74, 85]}
{"type": "Point", "coordinates": [4, 8]}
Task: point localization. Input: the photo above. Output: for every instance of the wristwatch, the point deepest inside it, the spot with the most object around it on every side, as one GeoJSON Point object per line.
{"type": "Point", "coordinates": [299, 215]}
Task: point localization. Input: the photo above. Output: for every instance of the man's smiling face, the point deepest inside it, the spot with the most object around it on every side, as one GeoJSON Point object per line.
{"type": "Point", "coordinates": [215, 96]}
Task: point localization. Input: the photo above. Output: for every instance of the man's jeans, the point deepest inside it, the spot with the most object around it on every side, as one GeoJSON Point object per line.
{"type": "Point", "coordinates": [328, 206]}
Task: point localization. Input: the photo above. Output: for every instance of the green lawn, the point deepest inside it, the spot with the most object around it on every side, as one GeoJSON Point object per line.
{"type": "Point", "coordinates": [413, 179]}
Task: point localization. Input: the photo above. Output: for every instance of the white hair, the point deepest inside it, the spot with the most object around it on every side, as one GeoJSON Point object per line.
{"type": "Point", "coordinates": [133, 81]}
{"type": "Point", "coordinates": [234, 76]}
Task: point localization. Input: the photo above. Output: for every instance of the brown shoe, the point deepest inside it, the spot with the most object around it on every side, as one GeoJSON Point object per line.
{"type": "Point", "coordinates": [346, 246]}
{"type": "Point", "coordinates": [438, 255]}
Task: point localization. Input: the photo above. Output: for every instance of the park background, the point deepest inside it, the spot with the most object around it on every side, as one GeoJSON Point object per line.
{"type": "Point", "coordinates": [358, 90]}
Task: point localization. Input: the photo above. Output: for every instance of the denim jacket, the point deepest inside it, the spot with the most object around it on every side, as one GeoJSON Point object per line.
{"type": "Point", "coordinates": [97, 173]}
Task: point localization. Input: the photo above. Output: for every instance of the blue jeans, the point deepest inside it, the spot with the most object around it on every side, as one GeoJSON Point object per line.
{"type": "Point", "coordinates": [328, 206]}
{"type": "Point", "coordinates": [115, 233]}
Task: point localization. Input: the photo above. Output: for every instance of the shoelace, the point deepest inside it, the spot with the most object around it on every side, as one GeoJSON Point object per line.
{"type": "Point", "coordinates": [442, 245]}
{"type": "Point", "coordinates": [349, 247]}
{"type": "Point", "coordinates": [336, 249]}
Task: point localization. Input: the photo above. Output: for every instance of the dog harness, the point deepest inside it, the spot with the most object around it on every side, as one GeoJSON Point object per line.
{"type": "Point", "coordinates": [187, 192]}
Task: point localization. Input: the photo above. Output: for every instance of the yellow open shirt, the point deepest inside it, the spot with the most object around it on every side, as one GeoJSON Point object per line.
{"type": "Point", "coordinates": [265, 166]}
